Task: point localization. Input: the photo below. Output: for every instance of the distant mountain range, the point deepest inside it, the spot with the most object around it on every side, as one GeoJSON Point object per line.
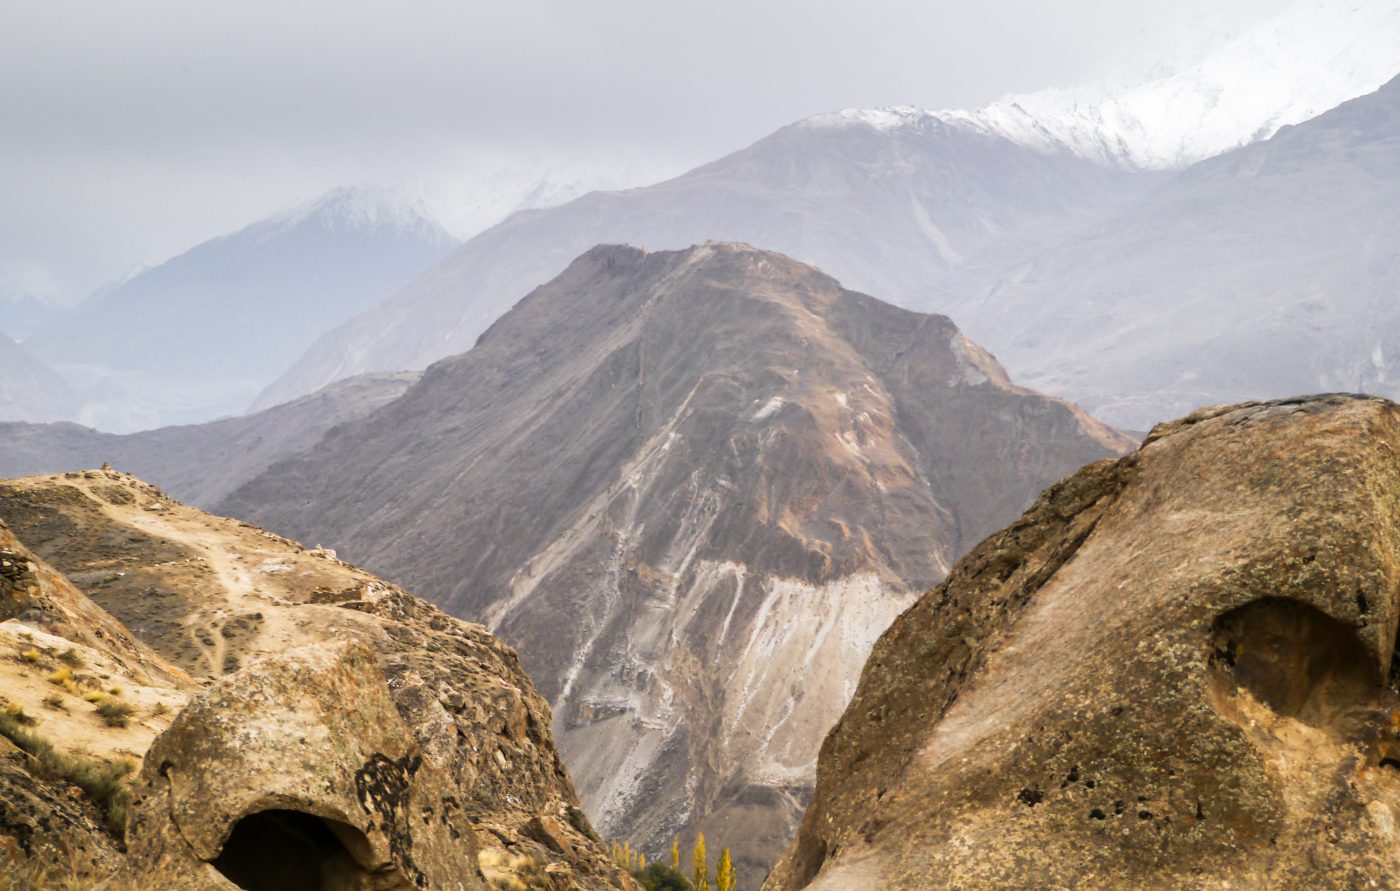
{"type": "Point", "coordinates": [1265, 272]}
{"type": "Point", "coordinates": [887, 210]}
{"type": "Point", "coordinates": [1023, 216]}
{"type": "Point", "coordinates": [678, 482]}
{"type": "Point", "coordinates": [199, 335]}
{"type": "Point", "coordinates": [199, 463]}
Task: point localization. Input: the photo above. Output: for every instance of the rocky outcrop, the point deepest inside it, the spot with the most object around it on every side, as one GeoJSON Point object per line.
{"type": "Point", "coordinates": [691, 488]}
{"type": "Point", "coordinates": [297, 773]}
{"type": "Point", "coordinates": [217, 596]}
{"type": "Point", "coordinates": [1176, 670]}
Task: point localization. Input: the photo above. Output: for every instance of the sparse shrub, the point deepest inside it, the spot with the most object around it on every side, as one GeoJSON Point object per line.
{"type": "Point", "coordinates": [71, 658]}
{"type": "Point", "coordinates": [94, 696]}
{"type": "Point", "coordinates": [113, 712]}
{"type": "Point", "coordinates": [31, 655]}
{"type": "Point", "coordinates": [660, 877]}
{"type": "Point", "coordinates": [15, 712]}
{"type": "Point", "coordinates": [55, 701]}
{"type": "Point", "coordinates": [101, 781]}
{"type": "Point", "coordinates": [115, 690]}
{"type": "Point", "coordinates": [64, 673]}
{"type": "Point", "coordinates": [579, 820]}
{"type": "Point", "coordinates": [159, 710]}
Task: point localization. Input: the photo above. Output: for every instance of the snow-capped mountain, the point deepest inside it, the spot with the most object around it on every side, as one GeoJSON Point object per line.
{"type": "Point", "coordinates": [198, 336]}
{"type": "Point", "coordinates": [1309, 58]}
{"type": "Point", "coordinates": [894, 200]}
{"type": "Point", "coordinates": [1269, 271]}
{"type": "Point", "coordinates": [479, 198]}
{"type": "Point", "coordinates": [889, 211]}
{"type": "Point", "coordinates": [385, 210]}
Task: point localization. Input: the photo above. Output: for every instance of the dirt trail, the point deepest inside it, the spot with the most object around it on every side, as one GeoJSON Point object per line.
{"type": "Point", "coordinates": [247, 573]}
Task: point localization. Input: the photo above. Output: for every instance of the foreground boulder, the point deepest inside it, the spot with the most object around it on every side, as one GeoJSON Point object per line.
{"type": "Point", "coordinates": [213, 596]}
{"type": "Point", "coordinates": [1174, 671]}
{"type": "Point", "coordinates": [298, 773]}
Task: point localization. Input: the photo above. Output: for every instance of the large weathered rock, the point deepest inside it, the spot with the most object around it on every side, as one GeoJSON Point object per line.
{"type": "Point", "coordinates": [298, 773]}
{"type": "Point", "coordinates": [1171, 672]}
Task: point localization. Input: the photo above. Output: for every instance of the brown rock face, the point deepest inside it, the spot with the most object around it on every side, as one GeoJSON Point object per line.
{"type": "Point", "coordinates": [1176, 670]}
{"type": "Point", "coordinates": [298, 773]}
{"type": "Point", "coordinates": [216, 595]}
{"type": "Point", "coordinates": [691, 487]}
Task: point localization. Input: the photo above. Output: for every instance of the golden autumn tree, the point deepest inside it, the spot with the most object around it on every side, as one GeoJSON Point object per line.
{"type": "Point", "coordinates": [676, 853]}
{"type": "Point", "coordinates": [701, 868]}
{"type": "Point", "coordinates": [725, 879]}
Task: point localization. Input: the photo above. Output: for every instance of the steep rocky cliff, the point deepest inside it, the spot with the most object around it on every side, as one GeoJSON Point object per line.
{"type": "Point", "coordinates": [1176, 670]}
{"type": "Point", "coordinates": [691, 488]}
{"type": "Point", "coordinates": [227, 602]}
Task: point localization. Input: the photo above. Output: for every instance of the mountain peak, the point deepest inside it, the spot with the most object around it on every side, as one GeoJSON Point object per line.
{"type": "Point", "coordinates": [698, 447]}
{"type": "Point", "coordinates": [362, 207]}
{"type": "Point", "coordinates": [1307, 59]}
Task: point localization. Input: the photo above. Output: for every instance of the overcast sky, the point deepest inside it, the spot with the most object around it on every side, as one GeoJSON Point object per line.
{"type": "Point", "coordinates": [133, 130]}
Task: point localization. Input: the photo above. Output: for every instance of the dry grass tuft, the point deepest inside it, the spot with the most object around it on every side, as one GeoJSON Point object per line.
{"type": "Point", "coordinates": [113, 712]}
{"type": "Point", "coordinates": [505, 871]}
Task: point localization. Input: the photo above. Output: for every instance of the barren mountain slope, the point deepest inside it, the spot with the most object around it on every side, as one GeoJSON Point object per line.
{"type": "Point", "coordinates": [200, 463]}
{"type": "Point", "coordinates": [691, 487]}
{"type": "Point", "coordinates": [1170, 673]}
{"type": "Point", "coordinates": [29, 390]}
{"type": "Point", "coordinates": [213, 595]}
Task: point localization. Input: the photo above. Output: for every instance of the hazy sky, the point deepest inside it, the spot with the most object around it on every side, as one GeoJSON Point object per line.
{"type": "Point", "coordinates": [134, 129]}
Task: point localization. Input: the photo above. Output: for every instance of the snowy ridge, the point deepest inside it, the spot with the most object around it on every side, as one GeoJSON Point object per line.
{"type": "Point", "coordinates": [1310, 58]}
{"type": "Point", "coordinates": [359, 208]}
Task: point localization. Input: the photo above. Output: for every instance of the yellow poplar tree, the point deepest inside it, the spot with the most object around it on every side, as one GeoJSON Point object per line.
{"type": "Point", "coordinates": [676, 853]}
{"type": "Point", "coordinates": [702, 869]}
{"type": "Point", "coordinates": [725, 880]}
